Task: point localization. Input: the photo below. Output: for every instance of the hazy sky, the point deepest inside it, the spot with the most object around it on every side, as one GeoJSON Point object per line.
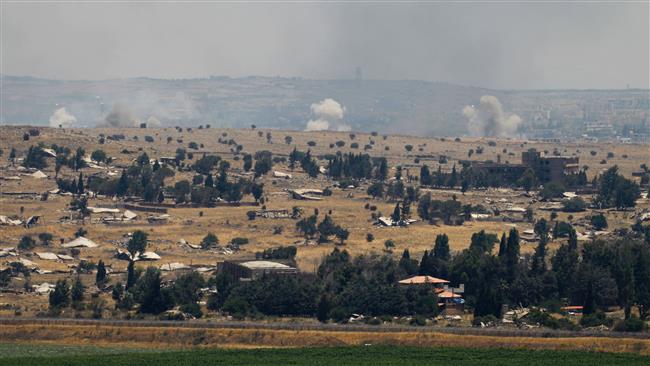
{"type": "Point", "coordinates": [496, 45]}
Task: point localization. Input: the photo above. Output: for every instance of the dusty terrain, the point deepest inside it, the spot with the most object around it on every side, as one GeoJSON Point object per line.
{"type": "Point", "coordinates": [346, 205]}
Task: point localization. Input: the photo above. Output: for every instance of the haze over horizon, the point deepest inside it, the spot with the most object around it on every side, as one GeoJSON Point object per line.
{"type": "Point", "coordinates": [497, 46]}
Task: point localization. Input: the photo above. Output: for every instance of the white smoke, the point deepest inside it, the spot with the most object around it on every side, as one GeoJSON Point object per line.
{"type": "Point", "coordinates": [489, 120]}
{"type": "Point", "coordinates": [62, 118]}
{"type": "Point", "coordinates": [317, 125]}
{"type": "Point", "coordinates": [328, 115]}
{"type": "Point", "coordinates": [152, 121]}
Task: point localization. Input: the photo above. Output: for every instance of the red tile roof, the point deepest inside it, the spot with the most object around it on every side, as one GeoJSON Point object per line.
{"type": "Point", "coordinates": [417, 280]}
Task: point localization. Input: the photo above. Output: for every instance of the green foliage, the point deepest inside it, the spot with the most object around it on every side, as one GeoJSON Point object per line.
{"type": "Point", "coordinates": [575, 204]}
{"type": "Point", "coordinates": [98, 156]}
{"type": "Point", "coordinates": [599, 221]}
{"type": "Point", "coordinates": [614, 190]}
{"type": "Point", "coordinates": [148, 293]}
{"type": "Point", "coordinates": [35, 158]}
{"type": "Point", "coordinates": [209, 241]}
{"type": "Point", "coordinates": [137, 243]}
{"type": "Point", "coordinates": [60, 297]}
{"type": "Point", "coordinates": [26, 243]}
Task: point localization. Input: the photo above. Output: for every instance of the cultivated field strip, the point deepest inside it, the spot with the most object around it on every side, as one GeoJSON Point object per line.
{"type": "Point", "coordinates": [330, 327]}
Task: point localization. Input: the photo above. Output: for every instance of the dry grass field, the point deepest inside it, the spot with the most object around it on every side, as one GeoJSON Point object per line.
{"type": "Point", "coordinates": [346, 205]}
{"type": "Point", "coordinates": [165, 338]}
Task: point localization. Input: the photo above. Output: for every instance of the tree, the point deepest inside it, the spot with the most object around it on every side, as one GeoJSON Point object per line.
{"type": "Point", "coordinates": [80, 183]}
{"type": "Point", "coordinates": [307, 226]}
{"type": "Point", "coordinates": [77, 293]}
{"type": "Point", "coordinates": [575, 204]}
{"type": "Point", "coordinates": [35, 158]}
{"type": "Point", "coordinates": [187, 291]}
{"type": "Point", "coordinates": [98, 156]}
{"type": "Point", "coordinates": [101, 277]}
{"type": "Point", "coordinates": [137, 243]}
{"type": "Point", "coordinates": [616, 191]}
{"type": "Point", "coordinates": [60, 297]}
{"type": "Point", "coordinates": [441, 248]}
{"type": "Point", "coordinates": [150, 295]}
{"type": "Point", "coordinates": [376, 190]}
{"type": "Point", "coordinates": [248, 162]}
{"type": "Point", "coordinates": [326, 228]}
{"type": "Point", "coordinates": [209, 241]}
{"type": "Point", "coordinates": [122, 185]}
{"type": "Point", "coordinates": [208, 182]}
{"type": "Point", "coordinates": [342, 234]}
{"type": "Point", "coordinates": [78, 161]}
{"type": "Point", "coordinates": [528, 180]}
{"type": "Point", "coordinates": [389, 245]}
{"type": "Point", "coordinates": [599, 222]}
{"type": "Point", "coordinates": [45, 238]}
{"type": "Point", "coordinates": [257, 190]}
{"type": "Point", "coordinates": [396, 216]}
{"type": "Point", "coordinates": [26, 243]}
{"type": "Point", "coordinates": [288, 139]}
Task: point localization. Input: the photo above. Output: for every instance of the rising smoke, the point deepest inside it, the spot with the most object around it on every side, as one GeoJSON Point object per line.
{"type": "Point", "coordinates": [328, 115]}
{"type": "Point", "coordinates": [62, 118]}
{"type": "Point", "coordinates": [489, 120]}
{"type": "Point", "coordinates": [120, 116]}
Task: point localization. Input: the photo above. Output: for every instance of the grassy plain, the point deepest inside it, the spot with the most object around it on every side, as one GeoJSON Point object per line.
{"type": "Point", "coordinates": [358, 356]}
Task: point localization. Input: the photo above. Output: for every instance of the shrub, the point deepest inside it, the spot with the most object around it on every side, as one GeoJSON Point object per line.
{"type": "Point", "coordinates": [575, 204]}
{"type": "Point", "coordinates": [26, 243]}
{"type": "Point", "coordinates": [596, 319]}
{"type": "Point", "coordinates": [630, 325]}
{"type": "Point", "coordinates": [251, 215]}
{"type": "Point", "coordinates": [239, 241]}
{"type": "Point", "coordinates": [418, 320]}
{"type": "Point", "coordinates": [210, 240]}
{"type": "Point", "coordinates": [599, 221]}
{"type": "Point", "coordinates": [370, 237]}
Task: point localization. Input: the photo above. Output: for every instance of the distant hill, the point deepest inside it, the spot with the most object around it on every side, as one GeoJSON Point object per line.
{"type": "Point", "coordinates": [402, 106]}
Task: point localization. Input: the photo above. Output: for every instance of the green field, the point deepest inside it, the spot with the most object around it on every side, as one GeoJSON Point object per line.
{"type": "Point", "coordinates": [51, 355]}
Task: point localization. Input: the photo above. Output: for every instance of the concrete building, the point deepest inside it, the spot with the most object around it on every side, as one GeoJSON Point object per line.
{"type": "Point", "coordinates": [252, 270]}
{"type": "Point", "coordinates": [550, 168]}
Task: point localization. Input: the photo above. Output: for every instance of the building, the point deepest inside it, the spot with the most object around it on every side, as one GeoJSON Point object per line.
{"type": "Point", "coordinates": [450, 299]}
{"type": "Point", "coordinates": [252, 270]}
{"type": "Point", "coordinates": [550, 168]}
{"type": "Point", "coordinates": [507, 172]}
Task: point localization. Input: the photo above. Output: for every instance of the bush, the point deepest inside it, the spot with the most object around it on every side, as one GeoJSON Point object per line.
{"type": "Point", "coordinates": [599, 221]}
{"type": "Point", "coordinates": [26, 243]}
{"type": "Point", "coordinates": [486, 319]}
{"type": "Point", "coordinates": [239, 241]}
{"type": "Point", "coordinates": [575, 204]}
{"type": "Point", "coordinates": [418, 320]}
{"type": "Point", "coordinates": [596, 319]}
{"type": "Point", "coordinates": [251, 215]}
{"type": "Point", "coordinates": [630, 325]}
{"type": "Point", "coordinates": [370, 237]}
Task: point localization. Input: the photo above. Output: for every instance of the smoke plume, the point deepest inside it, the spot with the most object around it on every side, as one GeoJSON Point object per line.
{"type": "Point", "coordinates": [120, 116]}
{"type": "Point", "coordinates": [62, 118]}
{"type": "Point", "coordinates": [328, 115]}
{"type": "Point", "coordinates": [152, 121]}
{"type": "Point", "coordinates": [489, 120]}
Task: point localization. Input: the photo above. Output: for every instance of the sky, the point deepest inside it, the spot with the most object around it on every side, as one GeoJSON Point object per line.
{"type": "Point", "coordinates": [492, 45]}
